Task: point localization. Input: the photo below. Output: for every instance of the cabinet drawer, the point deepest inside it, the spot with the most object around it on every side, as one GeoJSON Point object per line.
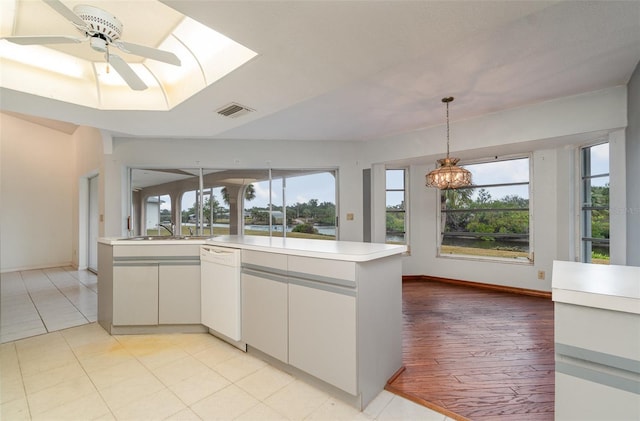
{"type": "Point", "coordinates": [270, 262]}
{"type": "Point", "coordinates": [336, 272]}
{"type": "Point", "coordinates": [157, 250]}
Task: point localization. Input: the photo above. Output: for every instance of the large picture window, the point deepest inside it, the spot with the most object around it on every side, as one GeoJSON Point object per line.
{"type": "Point", "coordinates": [594, 195]}
{"type": "Point", "coordinates": [491, 218]}
{"type": "Point", "coordinates": [207, 202]}
{"type": "Point", "coordinates": [396, 212]}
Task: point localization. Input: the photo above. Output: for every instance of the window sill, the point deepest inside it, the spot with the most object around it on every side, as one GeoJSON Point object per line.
{"type": "Point", "coordinates": [506, 260]}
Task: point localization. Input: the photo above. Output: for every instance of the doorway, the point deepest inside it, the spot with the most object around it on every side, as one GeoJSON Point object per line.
{"type": "Point", "coordinates": [92, 225]}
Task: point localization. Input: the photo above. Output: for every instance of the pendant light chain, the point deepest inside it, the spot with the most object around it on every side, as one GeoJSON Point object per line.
{"type": "Point", "coordinates": [448, 128]}
{"type": "Point", "coordinates": [448, 175]}
{"type": "Point", "coordinates": [447, 100]}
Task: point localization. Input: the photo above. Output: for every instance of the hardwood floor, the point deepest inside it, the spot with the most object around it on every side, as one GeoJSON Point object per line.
{"type": "Point", "coordinates": [477, 354]}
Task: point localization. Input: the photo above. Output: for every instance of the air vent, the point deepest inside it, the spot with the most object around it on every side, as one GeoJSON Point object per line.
{"type": "Point", "coordinates": [234, 110]}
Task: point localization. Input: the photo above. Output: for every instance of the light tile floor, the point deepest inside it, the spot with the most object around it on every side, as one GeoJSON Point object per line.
{"type": "Point", "coordinates": [39, 301]}
{"type": "Point", "coordinates": [83, 373]}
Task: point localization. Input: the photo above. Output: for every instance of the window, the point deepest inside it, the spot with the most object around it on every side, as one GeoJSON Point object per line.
{"type": "Point", "coordinates": [594, 209]}
{"type": "Point", "coordinates": [217, 202]}
{"type": "Point", "coordinates": [214, 213]}
{"type": "Point", "coordinates": [396, 225]}
{"type": "Point", "coordinates": [491, 218]}
{"type": "Point", "coordinates": [310, 210]}
{"type": "Point", "coordinates": [158, 215]}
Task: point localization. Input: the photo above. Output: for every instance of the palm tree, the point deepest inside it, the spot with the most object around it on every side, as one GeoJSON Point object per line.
{"type": "Point", "coordinates": [249, 194]}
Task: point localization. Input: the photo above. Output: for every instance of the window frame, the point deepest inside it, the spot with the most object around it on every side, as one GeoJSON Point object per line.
{"type": "Point", "coordinates": [530, 258]}
{"type": "Point", "coordinates": [405, 210]}
{"type": "Point", "coordinates": [584, 243]}
{"type": "Point", "coordinates": [137, 196]}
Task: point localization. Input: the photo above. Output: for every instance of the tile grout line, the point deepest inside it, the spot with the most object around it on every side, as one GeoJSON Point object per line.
{"type": "Point", "coordinates": [26, 288]}
{"type": "Point", "coordinates": [67, 298]}
{"type": "Point", "coordinates": [24, 388]}
{"type": "Point", "coordinates": [87, 374]}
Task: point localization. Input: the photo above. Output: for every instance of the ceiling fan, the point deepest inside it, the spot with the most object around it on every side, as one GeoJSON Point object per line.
{"type": "Point", "coordinates": [102, 30]}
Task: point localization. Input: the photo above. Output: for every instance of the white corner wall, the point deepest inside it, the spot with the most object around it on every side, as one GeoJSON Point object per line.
{"type": "Point", "coordinates": [36, 195]}
{"type": "Point", "coordinates": [632, 151]}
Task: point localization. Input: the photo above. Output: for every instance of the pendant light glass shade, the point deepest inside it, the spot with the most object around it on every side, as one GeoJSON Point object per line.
{"type": "Point", "coordinates": [448, 175]}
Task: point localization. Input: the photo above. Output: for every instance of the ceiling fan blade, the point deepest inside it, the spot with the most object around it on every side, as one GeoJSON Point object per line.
{"type": "Point", "coordinates": [44, 39]}
{"type": "Point", "coordinates": [66, 12]}
{"type": "Point", "coordinates": [148, 52]}
{"type": "Point", "coordinates": [127, 73]}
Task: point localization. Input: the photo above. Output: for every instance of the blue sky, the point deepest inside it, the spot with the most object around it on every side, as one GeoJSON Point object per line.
{"type": "Point", "coordinates": [322, 186]}
{"type": "Point", "coordinates": [299, 190]}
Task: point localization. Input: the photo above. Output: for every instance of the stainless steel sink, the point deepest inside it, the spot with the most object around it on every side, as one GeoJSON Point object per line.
{"type": "Point", "coordinates": [167, 237]}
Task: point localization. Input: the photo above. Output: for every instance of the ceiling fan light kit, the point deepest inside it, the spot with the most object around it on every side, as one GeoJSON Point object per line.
{"type": "Point", "coordinates": [99, 21]}
{"type": "Point", "coordinates": [102, 29]}
{"type": "Point", "coordinates": [448, 175]}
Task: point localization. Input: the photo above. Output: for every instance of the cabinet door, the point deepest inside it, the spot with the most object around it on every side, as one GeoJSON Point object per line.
{"type": "Point", "coordinates": [322, 333]}
{"type": "Point", "coordinates": [135, 295]}
{"type": "Point", "coordinates": [264, 313]}
{"type": "Point", "coordinates": [179, 294]}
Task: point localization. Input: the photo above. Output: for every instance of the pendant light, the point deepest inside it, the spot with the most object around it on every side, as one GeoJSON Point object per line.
{"type": "Point", "coordinates": [448, 175]}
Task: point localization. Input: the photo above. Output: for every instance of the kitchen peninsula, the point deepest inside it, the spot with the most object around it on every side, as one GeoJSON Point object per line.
{"type": "Point", "coordinates": [329, 310]}
{"type": "Point", "coordinates": [597, 341]}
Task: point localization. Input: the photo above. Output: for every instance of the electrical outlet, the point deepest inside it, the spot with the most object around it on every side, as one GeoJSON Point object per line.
{"type": "Point", "coordinates": [541, 275]}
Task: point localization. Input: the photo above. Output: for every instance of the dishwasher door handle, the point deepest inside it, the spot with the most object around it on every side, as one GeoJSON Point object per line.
{"type": "Point", "coordinates": [217, 250]}
{"type": "Point", "coordinates": [220, 255]}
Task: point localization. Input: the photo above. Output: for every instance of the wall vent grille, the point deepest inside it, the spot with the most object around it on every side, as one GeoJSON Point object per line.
{"type": "Point", "coordinates": [234, 110]}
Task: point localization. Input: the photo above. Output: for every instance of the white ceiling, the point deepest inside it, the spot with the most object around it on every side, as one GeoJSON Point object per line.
{"type": "Point", "coordinates": [357, 70]}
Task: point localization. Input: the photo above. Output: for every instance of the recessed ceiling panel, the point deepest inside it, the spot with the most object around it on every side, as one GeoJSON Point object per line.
{"type": "Point", "coordinates": [205, 56]}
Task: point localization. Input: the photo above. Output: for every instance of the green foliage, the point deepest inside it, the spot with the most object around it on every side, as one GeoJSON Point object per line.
{"type": "Point", "coordinates": [305, 228]}
{"type": "Point", "coordinates": [600, 218]}
{"type": "Point", "coordinates": [311, 212]}
{"type": "Point", "coordinates": [249, 194]}
{"type": "Point", "coordinates": [395, 222]}
{"type": "Point", "coordinates": [599, 256]}
{"type": "Point", "coordinates": [209, 206]}
{"type": "Point", "coordinates": [474, 220]}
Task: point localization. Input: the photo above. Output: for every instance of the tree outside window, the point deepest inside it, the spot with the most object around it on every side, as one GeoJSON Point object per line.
{"type": "Point", "coordinates": [491, 218]}
{"type": "Point", "coordinates": [594, 206]}
{"type": "Point", "coordinates": [396, 212]}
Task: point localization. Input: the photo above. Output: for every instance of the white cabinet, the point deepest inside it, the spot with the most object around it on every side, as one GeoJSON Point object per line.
{"type": "Point", "coordinates": [135, 295]}
{"type": "Point", "coordinates": [265, 303]}
{"type": "Point", "coordinates": [322, 333]}
{"type": "Point", "coordinates": [149, 285]}
{"type": "Point", "coordinates": [302, 311]}
{"type": "Point", "coordinates": [179, 293]}
{"type": "Point", "coordinates": [264, 313]}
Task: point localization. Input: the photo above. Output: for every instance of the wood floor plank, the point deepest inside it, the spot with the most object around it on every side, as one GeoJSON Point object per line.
{"type": "Point", "coordinates": [478, 354]}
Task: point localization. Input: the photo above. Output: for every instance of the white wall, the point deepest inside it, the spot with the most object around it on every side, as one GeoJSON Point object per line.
{"type": "Point", "coordinates": [36, 194]}
{"type": "Point", "coordinates": [632, 150]}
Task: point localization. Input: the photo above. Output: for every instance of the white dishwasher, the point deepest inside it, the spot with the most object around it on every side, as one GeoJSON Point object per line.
{"type": "Point", "coordinates": [220, 290]}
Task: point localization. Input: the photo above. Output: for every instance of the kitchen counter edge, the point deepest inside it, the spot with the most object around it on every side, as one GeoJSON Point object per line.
{"type": "Point", "coordinates": [323, 249]}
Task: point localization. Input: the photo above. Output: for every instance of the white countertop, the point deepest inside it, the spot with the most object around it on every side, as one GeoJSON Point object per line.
{"type": "Point", "coordinates": [325, 249]}
{"type": "Point", "coordinates": [610, 287]}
